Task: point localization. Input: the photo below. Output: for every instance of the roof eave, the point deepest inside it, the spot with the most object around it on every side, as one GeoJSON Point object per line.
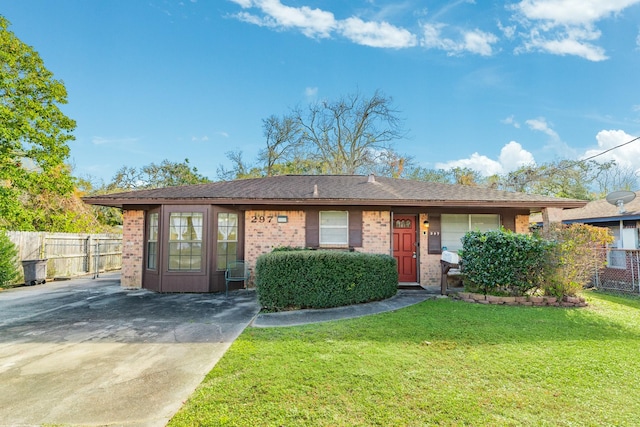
{"type": "Point", "coordinates": [528, 204]}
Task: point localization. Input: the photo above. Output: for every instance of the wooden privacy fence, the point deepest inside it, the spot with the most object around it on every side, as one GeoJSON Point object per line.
{"type": "Point", "coordinates": [69, 254]}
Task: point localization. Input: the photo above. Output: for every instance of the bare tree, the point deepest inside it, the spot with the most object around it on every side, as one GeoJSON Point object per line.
{"type": "Point", "coordinates": [611, 177]}
{"type": "Point", "coordinates": [283, 141]}
{"type": "Point", "coordinates": [350, 134]}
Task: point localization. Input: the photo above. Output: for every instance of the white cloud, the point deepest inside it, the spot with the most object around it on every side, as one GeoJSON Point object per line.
{"type": "Point", "coordinates": [101, 140]}
{"type": "Point", "coordinates": [558, 27]}
{"type": "Point", "coordinates": [511, 121]}
{"type": "Point", "coordinates": [311, 22]}
{"type": "Point", "coordinates": [317, 23]}
{"type": "Point", "coordinates": [311, 92]}
{"type": "Point", "coordinates": [571, 12]}
{"type": "Point", "coordinates": [540, 124]}
{"type": "Point", "coordinates": [567, 42]}
{"type": "Point", "coordinates": [509, 31]}
{"type": "Point", "coordinates": [565, 27]}
{"type": "Point", "coordinates": [479, 42]}
{"type": "Point", "coordinates": [474, 41]}
{"type": "Point", "coordinates": [477, 162]}
{"type": "Point", "coordinates": [204, 138]}
{"type": "Point", "coordinates": [625, 156]}
{"type": "Point", "coordinates": [376, 34]}
{"type": "Point", "coordinates": [512, 156]}
{"type": "Point", "coordinates": [243, 3]}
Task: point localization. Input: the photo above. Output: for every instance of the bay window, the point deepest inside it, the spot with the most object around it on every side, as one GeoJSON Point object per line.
{"type": "Point", "coordinates": [185, 241]}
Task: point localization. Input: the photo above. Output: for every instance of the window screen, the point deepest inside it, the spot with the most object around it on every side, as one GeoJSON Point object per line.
{"type": "Point", "coordinates": [455, 226]}
{"type": "Point", "coordinates": [334, 228]}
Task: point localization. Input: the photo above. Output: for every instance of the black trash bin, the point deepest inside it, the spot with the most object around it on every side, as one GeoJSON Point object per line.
{"type": "Point", "coordinates": [35, 271]}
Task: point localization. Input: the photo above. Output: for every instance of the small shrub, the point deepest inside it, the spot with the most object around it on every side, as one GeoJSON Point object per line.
{"type": "Point", "coordinates": [287, 249]}
{"type": "Point", "coordinates": [503, 262]}
{"type": "Point", "coordinates": [8, 258]}
{"type": "Point", "coordinates": [321, 279]}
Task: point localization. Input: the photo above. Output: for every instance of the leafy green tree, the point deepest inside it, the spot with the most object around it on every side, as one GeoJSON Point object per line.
{"type": "Point", "coordinates": [165, 174]}
{"type": "Point", "coordinates": [34, 134]}
{"type": "Point", "coordinates": [8, 261]}
{"type": "Point", "coordinates": [457, 175]}
{"type": "Point", "coordinates": [294, 166]}
{"type": "Point", "coordinates": [576, 179]}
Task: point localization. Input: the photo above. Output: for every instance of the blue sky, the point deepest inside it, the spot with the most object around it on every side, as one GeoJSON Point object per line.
{"type": "Point", "coordinates": [484, 84]}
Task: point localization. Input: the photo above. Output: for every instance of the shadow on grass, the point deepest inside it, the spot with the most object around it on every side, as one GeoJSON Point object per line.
{"type": "Point", "coordinates": [632, 301]}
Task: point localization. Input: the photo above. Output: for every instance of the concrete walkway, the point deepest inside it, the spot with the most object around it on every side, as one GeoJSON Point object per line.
{"type": "Point", "coordinates": [403, 298]}
{"type": "Point", "coordinates": [86, 352]}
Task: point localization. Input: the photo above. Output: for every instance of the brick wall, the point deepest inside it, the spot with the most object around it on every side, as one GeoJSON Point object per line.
{"type": "Point", "coordinates": [376, 235]}
{"type": "Point", "coordinates": [429, 264]}
{"type": "Point", "coordinates": [522, 224]}
{"type": "Point", "coordinates": [263, 232]}
{"type": "Point", "coordinates": [132, 249]}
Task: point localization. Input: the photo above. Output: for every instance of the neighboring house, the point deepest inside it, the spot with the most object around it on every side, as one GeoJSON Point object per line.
{"type": "Point", "coordinates": [623, 225]}
{"type": "Point", "coordinates": [180, 239]}
{"type": "Point", "coordinates": [623, 259]}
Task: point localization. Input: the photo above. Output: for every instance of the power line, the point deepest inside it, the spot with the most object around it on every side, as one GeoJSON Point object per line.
{"type": "Point", "coordinates": [611, 149]}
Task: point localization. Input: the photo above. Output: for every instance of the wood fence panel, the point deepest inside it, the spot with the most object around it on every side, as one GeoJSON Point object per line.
{"type": "Point", "coordinates": [69, 254]}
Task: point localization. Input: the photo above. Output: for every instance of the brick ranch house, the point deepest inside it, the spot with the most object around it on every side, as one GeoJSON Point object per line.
{"type": "Point", "coordinates": [180, 239]}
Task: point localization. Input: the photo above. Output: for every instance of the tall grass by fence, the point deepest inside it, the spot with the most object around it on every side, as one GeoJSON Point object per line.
{"type": "Point", "coordinates": [69, 254]}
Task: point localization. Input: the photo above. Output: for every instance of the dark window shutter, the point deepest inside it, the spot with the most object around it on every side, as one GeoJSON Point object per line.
{"type": "Point", "coordinates": [312, 228]}
{"type": "Point", "coordinates": [355, 229]}
{"type": "Point", "coordinates": [509, 221]}
{"type": "Point", "coordinates": [435, 245]}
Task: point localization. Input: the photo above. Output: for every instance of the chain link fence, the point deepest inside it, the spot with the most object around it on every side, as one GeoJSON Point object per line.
{"type": "Point", "coordinates": [621, 273]}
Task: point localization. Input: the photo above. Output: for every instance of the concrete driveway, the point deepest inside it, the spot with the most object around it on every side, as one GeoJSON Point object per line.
{"type": "Point", "coordinates": [86, 352]}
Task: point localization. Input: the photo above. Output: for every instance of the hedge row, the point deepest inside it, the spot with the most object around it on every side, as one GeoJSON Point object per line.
{"type": "Point", "coordinates": [322, 279]}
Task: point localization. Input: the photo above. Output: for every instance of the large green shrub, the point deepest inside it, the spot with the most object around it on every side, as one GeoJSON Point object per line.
{"type": "Point", "coordinates": [321, 279]}
{"type": "Point", "coordinates": [503, 262]}
{"type": "Point", "coordinates": [8, 254]}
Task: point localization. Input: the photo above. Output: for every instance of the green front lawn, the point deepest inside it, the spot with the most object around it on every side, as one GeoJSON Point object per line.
{"type": "Point", "coordinates": [440, 362]}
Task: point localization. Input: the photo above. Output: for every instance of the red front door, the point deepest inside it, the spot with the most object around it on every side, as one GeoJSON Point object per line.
{"type": "Point", "coordinates": [404, 247]}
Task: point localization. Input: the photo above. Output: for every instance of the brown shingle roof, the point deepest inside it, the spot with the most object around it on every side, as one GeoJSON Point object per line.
{"type": "Point", "coordinates": [332, 190]}
{"type": "Point", "coordinates": [601, 209]}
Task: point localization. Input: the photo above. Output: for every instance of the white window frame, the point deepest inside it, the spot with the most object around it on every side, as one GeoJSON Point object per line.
{"type": "Point", "coordinates": [228, 229]}
{"type": "Point", "coordinates": [186, 233]}
{"type": "Point", "coordinates": [327, 231]}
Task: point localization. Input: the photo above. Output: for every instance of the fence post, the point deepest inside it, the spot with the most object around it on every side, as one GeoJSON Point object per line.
{"type": "Point", "coordinates": [96, 256]}
{"type": "Point", "coordinates": [637, 255]}
{"type": "Point", "coordinates": [43, 247]}
{"type": "Point", "coordinates": [596, 264]}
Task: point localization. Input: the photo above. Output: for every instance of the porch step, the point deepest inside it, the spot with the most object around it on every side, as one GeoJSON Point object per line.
{"type": "Point", "coordinates": [410, 285]}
